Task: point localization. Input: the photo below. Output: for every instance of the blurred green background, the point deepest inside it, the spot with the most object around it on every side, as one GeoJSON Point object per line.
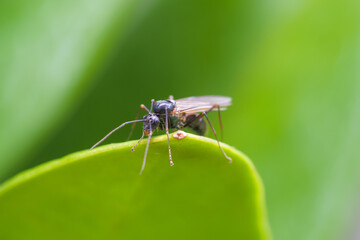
{"type": "Point", "coordinates": [72, 70]}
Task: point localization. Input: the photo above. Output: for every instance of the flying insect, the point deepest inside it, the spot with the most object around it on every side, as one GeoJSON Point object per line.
{"type": "Point", "coordinates": [177, 114]}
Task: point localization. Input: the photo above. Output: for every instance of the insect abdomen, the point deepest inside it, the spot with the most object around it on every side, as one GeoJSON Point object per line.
{"type": "Point", "coordinates": [198, 126]}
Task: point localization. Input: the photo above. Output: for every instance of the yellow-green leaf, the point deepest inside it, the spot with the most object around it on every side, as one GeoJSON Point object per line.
{"type": "Point", "coordinates": [99, 194]}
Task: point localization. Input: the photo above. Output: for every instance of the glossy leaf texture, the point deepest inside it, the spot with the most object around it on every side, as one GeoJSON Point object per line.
{"type": "Point", "coordinates": [99, 194]}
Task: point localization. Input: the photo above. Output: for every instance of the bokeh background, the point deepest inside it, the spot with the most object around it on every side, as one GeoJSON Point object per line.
{"type": "Point", "coordinates": [72, 70]}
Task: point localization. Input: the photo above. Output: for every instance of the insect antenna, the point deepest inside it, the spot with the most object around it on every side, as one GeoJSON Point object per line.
{"type": "Point", "coordinates": [146, 151]}
{"type": "Point", "coordinates": [125, 123]}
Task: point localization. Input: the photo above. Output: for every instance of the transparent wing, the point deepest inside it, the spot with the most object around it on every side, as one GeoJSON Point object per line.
{"type": "Point", "coordinates": [203, 103]}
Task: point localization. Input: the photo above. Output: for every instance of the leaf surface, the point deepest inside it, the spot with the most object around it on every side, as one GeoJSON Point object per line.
{"type": "Point", "coordinates": [99, 194]}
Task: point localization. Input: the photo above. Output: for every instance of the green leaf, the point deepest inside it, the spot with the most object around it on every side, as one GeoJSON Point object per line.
{"type": "Point", "coordinates": [99, 194]}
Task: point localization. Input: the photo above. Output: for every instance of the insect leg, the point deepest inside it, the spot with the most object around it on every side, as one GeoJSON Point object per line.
{"type": "Point", "coordinates": [167, 133]}
{"type": "Point", "coordinates": [146, 151]}
{"type": "Point", "coordinates": [221, 125]}
{"type": "Point", "coordinates": [133, 148]}
{"type": "Point", "coordinates": [200, 116]}
{"type": "Point", "coordinates": [152, 105]}
{"type": "Point", "coordinates": [212, 128]}
{"type": "Point", "coordinates": [142, 106]}
{"type": "Point", "coordinates": [114, 131]}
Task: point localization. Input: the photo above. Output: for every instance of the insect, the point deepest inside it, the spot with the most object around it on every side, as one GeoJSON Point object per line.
{"type": "Point", "coordinates": [176, 114]}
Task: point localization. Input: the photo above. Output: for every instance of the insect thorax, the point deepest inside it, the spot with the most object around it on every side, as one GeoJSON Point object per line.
{"type": "Point", "coordinates": [161, 106]}
{"type": "Point", "coordinates": [175, 121]}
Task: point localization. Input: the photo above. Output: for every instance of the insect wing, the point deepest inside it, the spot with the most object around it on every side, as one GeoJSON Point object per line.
{"type": "Point", "coordinates": [203, 103]}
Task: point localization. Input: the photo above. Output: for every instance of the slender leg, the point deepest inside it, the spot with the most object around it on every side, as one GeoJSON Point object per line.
{"type": "Point", "coordinates": [152, 105]}
{"type": "Point", "coordinates": [200, 115]}
{"type": "Point", "coordinates": [142, 106]}
{"type": "Point", "coordinates": [221, 125]}
{"type": "Point", "coordinates": [114, 131]}
{"type": "Point", "coordinates": [133, 148]}
{"type": "Point", "coordinates": [212, 128]}
{"type": "Point", "coordinates": [167, 133]}
{"type": "Point", "coordinates": [146, 151]}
